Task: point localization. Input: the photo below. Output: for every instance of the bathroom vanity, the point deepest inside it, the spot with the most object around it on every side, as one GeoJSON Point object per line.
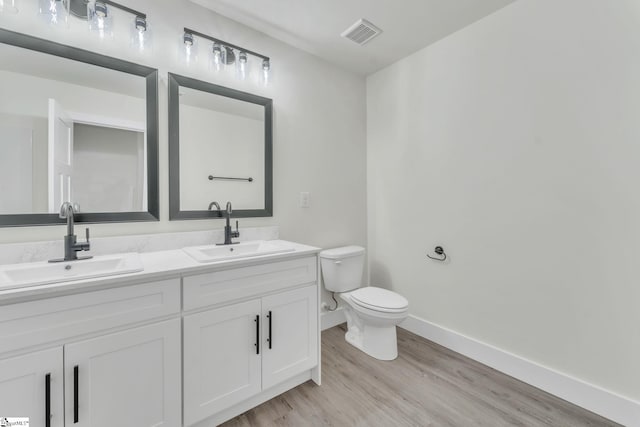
{"type": "Point", "coordinates": [181, 343]}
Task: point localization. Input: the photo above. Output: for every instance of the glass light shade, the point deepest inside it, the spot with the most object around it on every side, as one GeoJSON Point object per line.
{"type": "Point", "coordinates": [266, 73]}
{"type": "Point", "coordinates": [54, 12]}
{"type": "Point", "coordinates": [242, 66]}
{"type": "Point", "coordinates": [141, 35]}
{"type": "Point", "coordinates": [8, 6]}
{"type": "Point", "coordinates": [216, 56]}
{"type": "Point", "coordinates": [189, 48]}
{"type": "Point", "coordinates": [100, 19]}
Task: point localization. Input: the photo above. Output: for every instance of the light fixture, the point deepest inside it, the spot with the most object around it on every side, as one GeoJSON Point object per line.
{"type": "Point", "coordinates": [99, 18]}
{"type": "Point", "coordinates": [223, 53]}
{"type": "Point", "coordinates": [242, 65]}
{"type": "Point", "coordinates": [141, 33]}
{"type": "Point", "coordinates": [217, 56]}
{"type": "Point", "coordinates": [8, 6]}
{"type": "Point", "coordinates": [266, 75]}
{"type": "Point", "coordinates": [54, 12]}
{"type": "Point", "coordinates": [189, 48]}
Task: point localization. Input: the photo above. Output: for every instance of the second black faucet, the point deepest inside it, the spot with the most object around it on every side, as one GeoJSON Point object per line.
{"type": "Point", "coordinates": [71, 244]}
{"type": "Point", "coordinates": [228, 233]}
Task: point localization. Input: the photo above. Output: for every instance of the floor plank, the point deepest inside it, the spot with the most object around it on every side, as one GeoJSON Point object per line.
{"type": "Point", "coordinates": [427, 385]}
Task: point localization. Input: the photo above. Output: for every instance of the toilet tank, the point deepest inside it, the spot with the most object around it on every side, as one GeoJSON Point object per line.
{"type": "Point", "coordinates": [342, 268]}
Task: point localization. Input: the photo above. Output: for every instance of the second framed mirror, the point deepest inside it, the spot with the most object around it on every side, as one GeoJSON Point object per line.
{"type": "Point", "coordinates": [220, 150]}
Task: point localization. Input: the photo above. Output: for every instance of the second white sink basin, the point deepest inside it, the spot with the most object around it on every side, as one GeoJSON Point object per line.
{"type": "Point", "coordinates": [41, 273]}
{"type": "Point", "coordinates": [211, 253]}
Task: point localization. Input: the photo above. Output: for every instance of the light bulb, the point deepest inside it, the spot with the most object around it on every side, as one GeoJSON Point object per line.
{"type": "Point", "coordinates": [266, 71]}
{"type": "Point", "coordinates": [99, 19]}
{"type": "Point", "coordinates": [216, 52]}
{"type": "Point", "coordinates": [189, 48]}
{"type": "Point", "coordinates": [101, 9]}
{"type": "Point", "coordinates": [141, 34]}
{"type": "Point", "coordinates": [140, 24]}
{"type": "Point", "coordinates": [188, 39]}
{"type": "Point", "coordinates": [242, 65]}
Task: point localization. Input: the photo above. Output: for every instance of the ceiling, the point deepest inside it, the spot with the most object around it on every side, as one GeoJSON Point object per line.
{"type": "Point", "coordinates": [316, 25]}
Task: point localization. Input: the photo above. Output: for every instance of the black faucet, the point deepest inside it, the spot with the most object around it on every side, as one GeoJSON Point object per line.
{"type": "Point", "coordinates": [228, 234]}
{"type": "Point", "coordinates": [71, 245]}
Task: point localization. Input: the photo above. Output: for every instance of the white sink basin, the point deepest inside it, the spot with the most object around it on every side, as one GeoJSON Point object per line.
{"type": "Point", "coordinates": [41, 273]}
{"type": "Point", "coordinates": [213, 253]}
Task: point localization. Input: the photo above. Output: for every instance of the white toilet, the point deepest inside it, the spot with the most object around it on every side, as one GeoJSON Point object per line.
{"type": "Point", "coordinates": [372, 313]}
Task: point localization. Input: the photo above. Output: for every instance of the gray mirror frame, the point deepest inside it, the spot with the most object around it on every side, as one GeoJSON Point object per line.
{"type": "Point", "coordinates": [175, 82]}
{"type": "Point", "coordinates": [151, 75]}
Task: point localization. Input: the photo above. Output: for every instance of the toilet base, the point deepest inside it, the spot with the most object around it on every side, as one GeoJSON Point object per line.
{"type": "Point", "coordinates": [379, 343]}
{"type": "Point", "coordinates": [374, 335]}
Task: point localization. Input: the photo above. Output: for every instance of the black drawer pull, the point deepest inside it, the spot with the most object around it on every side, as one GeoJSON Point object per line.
{"type": "Point", "coordinates": [47, 400]}
{"type": "Point", "coordinates": [270, 339]}
{"type": "Point", "coordinates": [257, 344]}
{"type": "Point", "coordinates": [76, 393]}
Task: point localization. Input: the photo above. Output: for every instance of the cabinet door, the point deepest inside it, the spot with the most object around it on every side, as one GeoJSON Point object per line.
{"type": "Point", "coordinates": [129, 378]}
{"type": "Point", "coordinates": [24, 381]}
{"type": "Point", "coordinates": [290, 332]}
{"type": "Point", "coordinates": [221, 359]}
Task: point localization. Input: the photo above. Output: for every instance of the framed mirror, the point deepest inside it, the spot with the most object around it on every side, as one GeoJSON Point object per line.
{"type": "Point", "coordinates": [220, 150]}
{"type": "Point", "coordinates": [79, 127]}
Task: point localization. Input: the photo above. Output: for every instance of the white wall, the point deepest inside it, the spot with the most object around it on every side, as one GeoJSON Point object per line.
{"type": "Point", "coordinates": [514, 144]}
{"type": "Point", "coordinates": [319, 124]}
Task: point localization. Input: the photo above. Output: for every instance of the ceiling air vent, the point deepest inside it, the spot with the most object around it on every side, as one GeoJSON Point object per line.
{"type": "Point", "coordinates": [361, 32]}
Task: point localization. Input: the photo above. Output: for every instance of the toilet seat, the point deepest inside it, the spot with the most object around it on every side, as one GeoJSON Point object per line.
{"type": "Point", "coordinates": [379, 299]}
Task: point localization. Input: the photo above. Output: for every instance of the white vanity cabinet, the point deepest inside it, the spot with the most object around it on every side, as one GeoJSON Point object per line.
{"type": "Point", "coordinates": [128, 378]}
{"type": "Point", "coordinates": [222, 363]}
{"type": "Point", "coordinates": [238, 350]}
{"type": "Point", "coordinates": [132, 375]}
{"type": "Point", "coordinates": [191, 349]}
{"type": "Point", "coordinates": [31, 386]}
{"type": "Point", "coordinates": [291, 330]}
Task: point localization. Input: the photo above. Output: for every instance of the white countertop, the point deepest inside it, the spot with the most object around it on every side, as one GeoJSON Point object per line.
{"type": "Point", "coordinates": [157, 266]}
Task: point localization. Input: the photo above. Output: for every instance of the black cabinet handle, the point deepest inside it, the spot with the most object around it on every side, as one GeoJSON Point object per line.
{"type": "Point", "coordinates": [257, 334]}
{"type": "Point", "coordinates": [47, 400]}
{"type": "Point", "coordinates": [76, 393]}
{"type": "Point", "coordinates": [270, 339]}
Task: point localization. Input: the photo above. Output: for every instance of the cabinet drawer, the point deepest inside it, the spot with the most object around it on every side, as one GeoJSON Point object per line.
{"type": "Point", "coordinates": [52, 319]}
{"type": "Point", "coordinates": [227, 285]}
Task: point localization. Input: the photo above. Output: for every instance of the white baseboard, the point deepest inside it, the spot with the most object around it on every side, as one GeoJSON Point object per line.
{"type": "Point", "coordinates": [329, 319]}
{"type": "Point", "coordinates": [593, 398]}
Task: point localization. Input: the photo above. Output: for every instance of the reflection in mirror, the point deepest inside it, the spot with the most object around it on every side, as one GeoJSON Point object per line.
{"type": "Point", "coordinates": [111, 162]}
{"type": "Point", "coordinates": [78, 128]}
{"type": "Point", "coordinates": [225, 140]}
{"type": "Point", "coordinates": [220, 144]}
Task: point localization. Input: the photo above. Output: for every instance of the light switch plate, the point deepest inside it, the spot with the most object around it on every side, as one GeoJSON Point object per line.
{"type": "Point", "coordinates": [304, 199]}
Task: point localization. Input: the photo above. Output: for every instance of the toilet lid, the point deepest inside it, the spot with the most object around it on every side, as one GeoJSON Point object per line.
{"type": "Point", "coordinates": [379, 299]}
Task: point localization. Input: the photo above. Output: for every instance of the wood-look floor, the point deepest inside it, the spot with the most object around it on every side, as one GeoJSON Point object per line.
{"type": "Point", "coordinates": [427, 385]}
